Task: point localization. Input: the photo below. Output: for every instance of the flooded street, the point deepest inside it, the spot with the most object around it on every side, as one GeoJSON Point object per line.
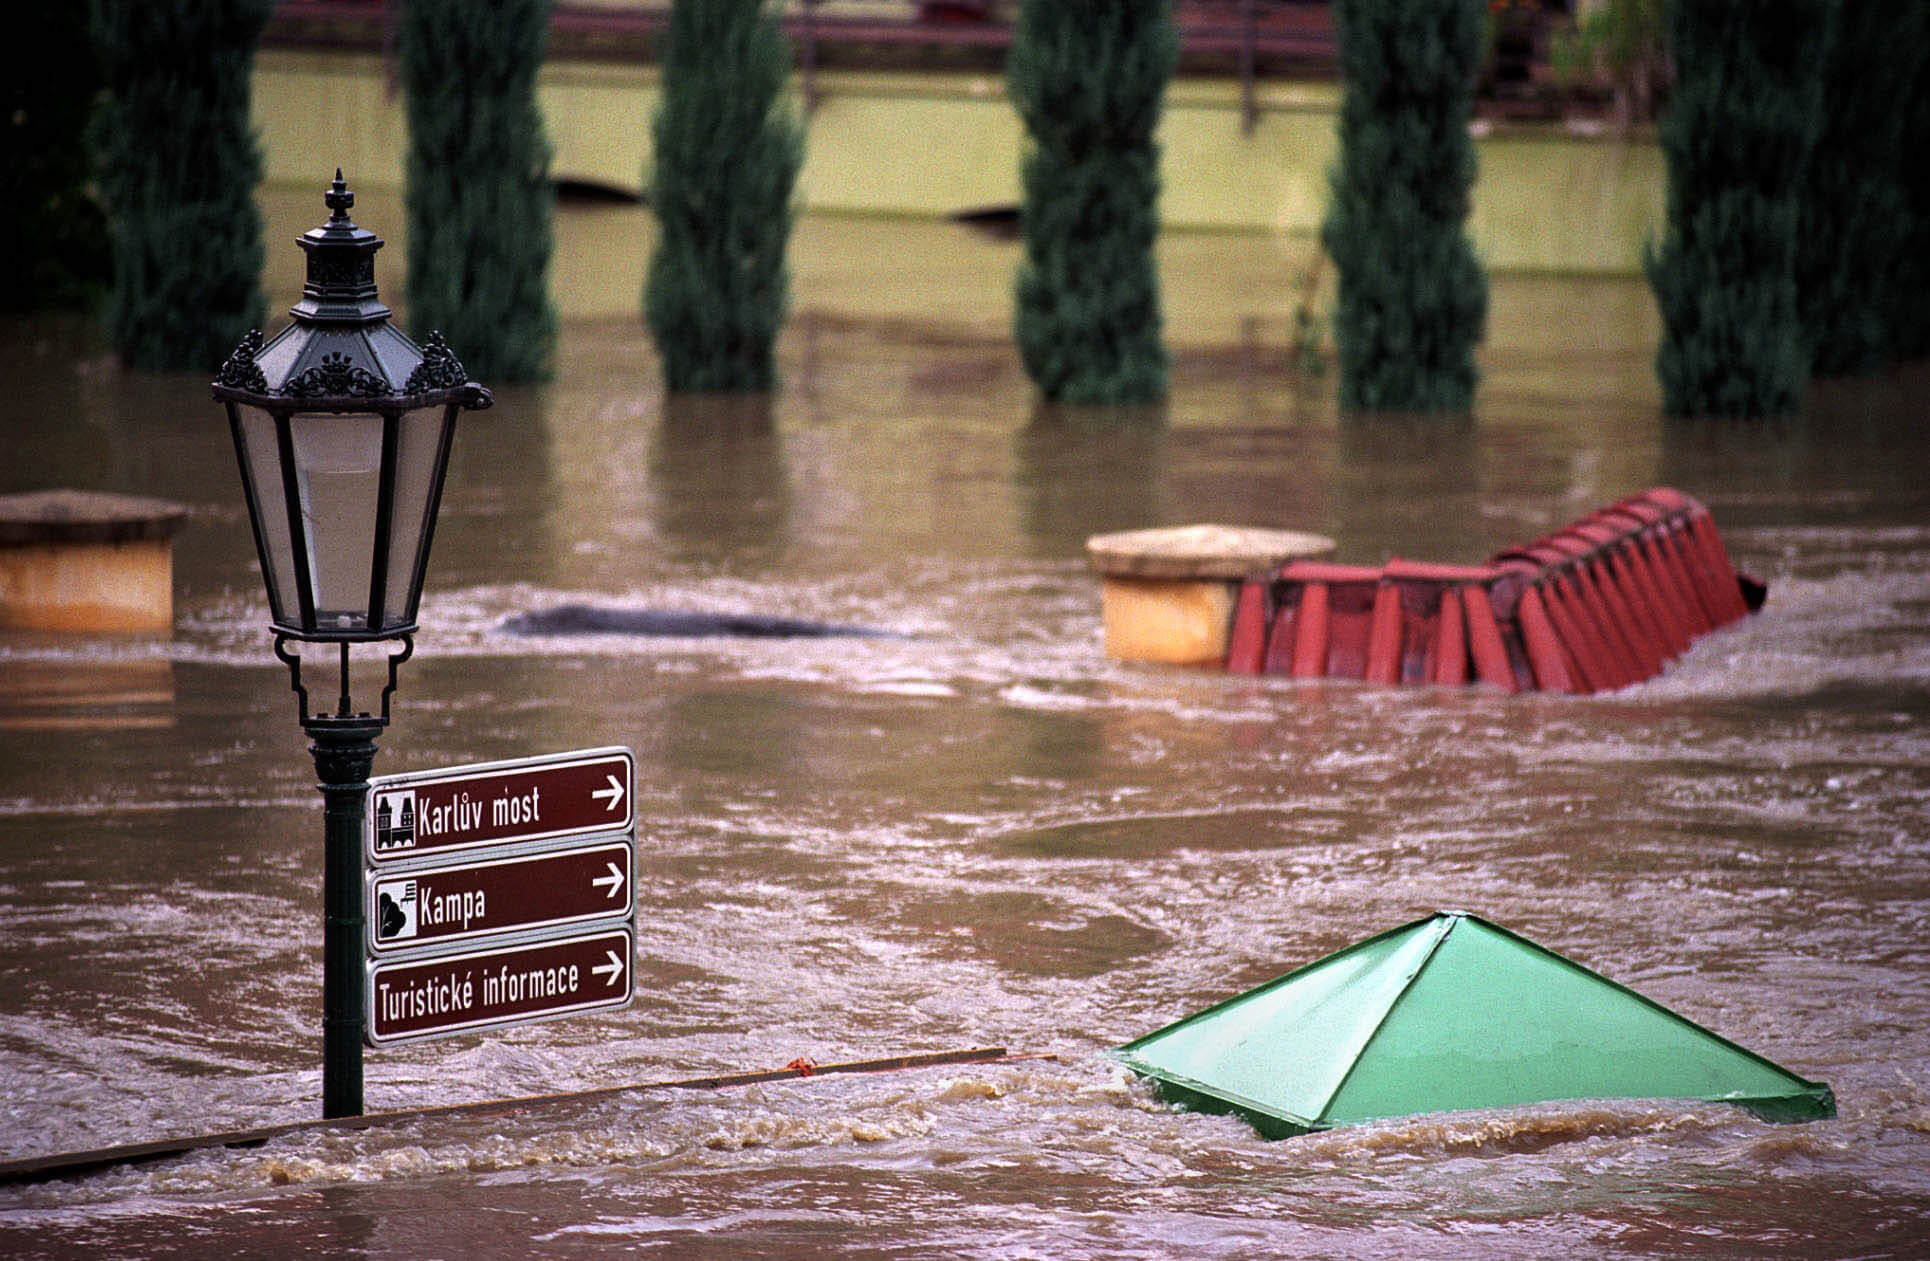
{"type": "Point", "coordinates": [976, 831]}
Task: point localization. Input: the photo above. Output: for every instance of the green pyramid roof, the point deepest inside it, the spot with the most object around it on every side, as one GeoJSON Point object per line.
{"type": "Point", "coordinates": [1446, 1013]}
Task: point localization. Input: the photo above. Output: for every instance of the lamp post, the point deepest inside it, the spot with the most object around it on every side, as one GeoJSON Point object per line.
{"type": "Point", "coordinates": [342, 428]}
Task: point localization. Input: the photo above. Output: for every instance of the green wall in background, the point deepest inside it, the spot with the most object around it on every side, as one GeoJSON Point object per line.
{"type": "Point", "coordinates": [928, 145]}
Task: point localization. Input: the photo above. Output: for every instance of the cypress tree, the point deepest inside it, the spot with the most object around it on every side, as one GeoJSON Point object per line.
{"type": "Point", "coordinates": [1737, 138]}
{"type": "Point", "coordinates": [179, 166]}
{"type": "Point", "coordinates": [1088, 78]}
{"type": "Point", "coordinates": [1906, 313]}
{"type": "Point", "coordinates": [53, 236]}
{"type": "Point", "coordinates": [1412, 300]}
{"type": "Point", "coordinates": [727, 152]}
{"type": "Point", "coordinates": [1856, 217]}
{"type": "Point", "coordinates": [480, 199]}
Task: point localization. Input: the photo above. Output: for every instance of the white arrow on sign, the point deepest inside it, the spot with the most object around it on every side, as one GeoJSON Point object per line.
{"type": "Point", "coordinates": [614, 880]}
{"type": "Point", "coordinates": [614, 967]}
{"type": "Point", "coordinates": [614, 792]}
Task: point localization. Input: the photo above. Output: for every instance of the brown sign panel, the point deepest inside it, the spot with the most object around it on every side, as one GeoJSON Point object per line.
{"type": "Point", "coordinates": [438, 905]}
{"type": "Point", "coordinates": [495, 803]}
{"type": "Point", "coordinates": [506, 985]}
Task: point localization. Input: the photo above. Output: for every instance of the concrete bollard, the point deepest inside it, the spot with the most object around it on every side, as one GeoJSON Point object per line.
{"type": "Point", "coordinates": [1168, 593]}
{"type": "Point", "coordinates": [85, 561]}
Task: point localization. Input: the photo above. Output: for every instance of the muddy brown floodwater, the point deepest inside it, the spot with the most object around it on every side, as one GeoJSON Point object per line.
{"type": "Point", "coordinates": [979, 831]}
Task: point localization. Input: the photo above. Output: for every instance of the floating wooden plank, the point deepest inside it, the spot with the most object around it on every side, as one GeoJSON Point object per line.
{"type": "Point", "coordinates": [70, 1164]}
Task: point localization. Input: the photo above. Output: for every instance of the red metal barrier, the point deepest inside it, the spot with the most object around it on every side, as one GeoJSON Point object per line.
{"type": "Point", "coordinates": [1383, 663]}
{"type": "Point", "coordinates": [1492, 663]}
{"type": "Point", "coordinates": [1551, 664]}
{"type": "Point", "coordinates": [1601, 603]}
{"type": "Point", "coordinates": [1246, 646]}
{"type": "Point", "coordinates": [1448, 655]}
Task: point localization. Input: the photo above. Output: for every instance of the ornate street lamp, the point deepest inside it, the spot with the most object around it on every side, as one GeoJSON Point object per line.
{"type": "Point", "coordinates": [342, 427]}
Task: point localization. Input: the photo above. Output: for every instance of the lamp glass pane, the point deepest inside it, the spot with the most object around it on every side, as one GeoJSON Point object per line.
{"type": "Point", "coordinates": [338, 464]}
{"type": "Point", "coordinates": [418, 467]}
{"type": "Point", "coordinates": [261, 461]}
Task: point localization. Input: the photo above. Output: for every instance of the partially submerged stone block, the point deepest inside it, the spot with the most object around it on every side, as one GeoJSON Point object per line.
{"type": "Point", "coordinates": [1168, 593]}
{"type": "Point", "coordinates": [87, 561]}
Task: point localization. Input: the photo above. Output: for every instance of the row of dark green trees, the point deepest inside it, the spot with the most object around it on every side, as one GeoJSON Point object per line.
{"type": "Point", "coordinates": [156, 92]}
{"type": "Point", "coordinates": [1797, 239]}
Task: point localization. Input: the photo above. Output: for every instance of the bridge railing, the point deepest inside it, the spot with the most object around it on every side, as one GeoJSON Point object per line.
{"type": "Point", "coordinates": [1247, 39]}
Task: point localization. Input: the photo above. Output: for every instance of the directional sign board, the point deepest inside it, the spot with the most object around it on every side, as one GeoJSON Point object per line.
{"type": "Point", "coordinates": [507, 984]}
{"type": "Point", "coordinates": [430, 813]}
{"type": "Point", "coordinates": [454, 902]}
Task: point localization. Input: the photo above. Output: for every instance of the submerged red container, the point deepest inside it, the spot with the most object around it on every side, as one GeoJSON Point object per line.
{"type": "Point", "coordinates": [1601, 603]}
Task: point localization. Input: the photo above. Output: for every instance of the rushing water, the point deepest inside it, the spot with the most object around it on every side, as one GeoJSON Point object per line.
{"type": "Point", "coordinates": [979, 831]}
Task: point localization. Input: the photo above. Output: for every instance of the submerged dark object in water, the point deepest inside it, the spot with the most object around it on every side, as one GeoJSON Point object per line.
{"type": "Point", "coordinates": [590, 619]}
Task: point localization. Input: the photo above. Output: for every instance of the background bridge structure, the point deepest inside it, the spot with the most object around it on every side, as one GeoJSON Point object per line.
{"type": "Point", "coordinates": [908, 119]}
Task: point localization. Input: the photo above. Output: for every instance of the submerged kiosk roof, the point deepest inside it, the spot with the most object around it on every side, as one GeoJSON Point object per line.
{"type": "Point", "coordinates": [1447, 1013]}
